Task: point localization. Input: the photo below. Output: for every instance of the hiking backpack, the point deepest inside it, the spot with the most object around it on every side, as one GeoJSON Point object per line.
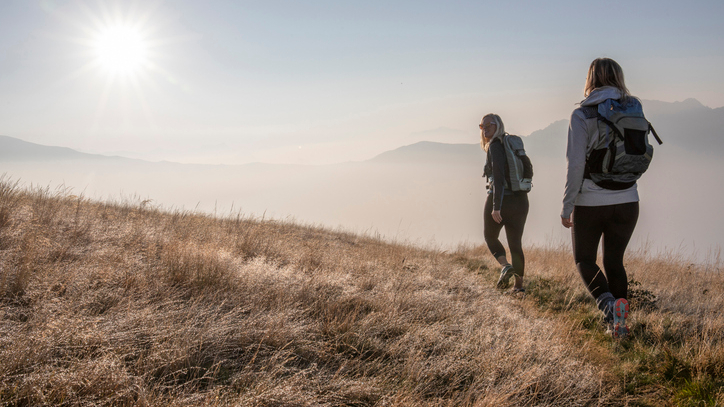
{"type": "Point", "coordinates": [519, 175]}
{"type": "Point", "coordinates": [622, 152]}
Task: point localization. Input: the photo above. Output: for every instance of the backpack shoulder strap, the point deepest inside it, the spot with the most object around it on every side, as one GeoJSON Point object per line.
{"type": "Point", "coordinates": [656, 136]}
{"type": "Point", "coordinates": [610, 125]}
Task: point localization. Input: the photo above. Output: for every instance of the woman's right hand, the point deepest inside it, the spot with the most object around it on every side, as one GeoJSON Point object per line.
{"type": "Point", "coordinates": [567, 222]}
{"type": "Point", "coordinates": [497, 217]}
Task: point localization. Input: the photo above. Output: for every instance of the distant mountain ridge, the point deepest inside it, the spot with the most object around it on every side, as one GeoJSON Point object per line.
{"type": "Point", "coordinates": [432, 153]}
{"type": "Point", "coordinates": [687, 124]}
{"type": "Point", "coordinates": [658, 108]}
{"type": "Point", "coordinates": [14, 149]}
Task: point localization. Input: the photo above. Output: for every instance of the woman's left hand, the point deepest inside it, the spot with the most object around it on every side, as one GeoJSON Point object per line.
{"type": "Point", "coordinates": [497, 217]}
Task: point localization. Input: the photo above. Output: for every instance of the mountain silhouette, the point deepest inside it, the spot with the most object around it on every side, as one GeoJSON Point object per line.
{"type": "Point", "coordinates": [689, 125]}
{"type": "Point", "coordinates": [14, 149]}
{"type": "Point", "coordinates": [432, 153]}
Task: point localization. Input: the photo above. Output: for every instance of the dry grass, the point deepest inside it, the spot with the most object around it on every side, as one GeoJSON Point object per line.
{"type": "Point", "coordinates": [675, 353]}
{"type": "Point", "coordinates": [124, 304]}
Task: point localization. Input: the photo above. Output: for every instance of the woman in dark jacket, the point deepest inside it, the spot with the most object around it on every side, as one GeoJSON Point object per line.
{"type": "Point", "coordinates": [503, 207]}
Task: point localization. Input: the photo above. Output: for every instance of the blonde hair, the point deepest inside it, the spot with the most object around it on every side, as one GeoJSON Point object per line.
{"type": "Point", "coordinates": [605, 72]}
{"type": "Point", "coordinates": [499, 130]}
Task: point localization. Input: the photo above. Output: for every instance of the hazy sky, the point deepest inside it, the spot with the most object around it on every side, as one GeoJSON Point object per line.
{"type": "Point", "coordinates": [328, 81]}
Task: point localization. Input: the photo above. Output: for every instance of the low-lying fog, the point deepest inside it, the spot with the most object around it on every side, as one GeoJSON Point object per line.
{"type": "Point", "coordinates": [426, 193]}
{"type": "Point", "coordinates": [432, 196]}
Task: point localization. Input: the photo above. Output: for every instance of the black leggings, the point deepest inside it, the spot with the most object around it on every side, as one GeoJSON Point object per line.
{"type": "Point", "coordinates": [616, 224]}
{"type": "Point", "coordinates": [514, 212]}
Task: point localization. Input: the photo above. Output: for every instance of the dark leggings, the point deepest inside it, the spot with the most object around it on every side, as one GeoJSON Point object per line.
{"type": "Point", "coordinates": [616, 224]}
{"type": "Point", "coordinates": [514, 212]}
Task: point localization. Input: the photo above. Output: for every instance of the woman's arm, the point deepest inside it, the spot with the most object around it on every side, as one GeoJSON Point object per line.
{"type": "Point", "coordinates": [576, 157]}
{"type": "Point", "coordinates": [497, 155]}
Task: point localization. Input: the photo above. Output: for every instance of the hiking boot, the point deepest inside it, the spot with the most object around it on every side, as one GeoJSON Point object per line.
{"type": "Point", "coordinates": [620, 313]}
{"type": "Point", "coordinates": [605, 302]}
{"type": "Point", "coordinates": [505, 274]}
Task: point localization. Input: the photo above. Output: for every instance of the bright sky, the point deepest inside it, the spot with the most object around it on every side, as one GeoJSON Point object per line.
{"type": "Point", "coordinates": [328, 81]}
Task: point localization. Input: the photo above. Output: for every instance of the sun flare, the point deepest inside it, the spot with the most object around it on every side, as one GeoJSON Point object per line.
{"type": "Point", "coordinates": [121, 50]}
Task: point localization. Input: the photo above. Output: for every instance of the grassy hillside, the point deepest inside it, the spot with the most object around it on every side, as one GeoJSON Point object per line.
{"type": "Point", "coordinates": [123, 304]}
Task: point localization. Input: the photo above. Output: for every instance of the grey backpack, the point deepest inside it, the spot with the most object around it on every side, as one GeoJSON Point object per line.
{"type": "Point", "coordinates": [622, 152]}
{"type": "Point", "coordinates": [520, 169]}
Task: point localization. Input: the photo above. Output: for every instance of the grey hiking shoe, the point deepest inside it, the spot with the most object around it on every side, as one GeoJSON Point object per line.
{"type": "Point", "coordinates": [505, 274]}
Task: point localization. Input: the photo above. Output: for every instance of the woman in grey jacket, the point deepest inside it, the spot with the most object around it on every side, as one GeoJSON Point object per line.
{"type": "Point", "coordinates": [595, 212]}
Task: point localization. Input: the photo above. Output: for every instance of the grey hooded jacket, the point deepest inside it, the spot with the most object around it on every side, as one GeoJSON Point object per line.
{"type": "Point", "coordinates": [582, 136]}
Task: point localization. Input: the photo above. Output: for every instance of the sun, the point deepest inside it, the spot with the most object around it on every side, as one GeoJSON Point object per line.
{"type": "Point", "coordinates": [121, 50]}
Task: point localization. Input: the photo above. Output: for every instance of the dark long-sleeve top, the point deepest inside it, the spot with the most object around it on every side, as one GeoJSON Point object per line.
{"type": "Point", "coordinates": [495, 168]}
